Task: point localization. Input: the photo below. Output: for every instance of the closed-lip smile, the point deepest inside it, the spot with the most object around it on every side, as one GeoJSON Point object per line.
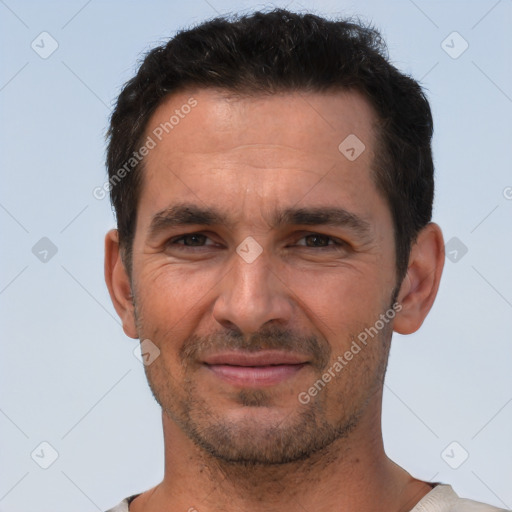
{"type": "Point", "coordinates": [255, 369]}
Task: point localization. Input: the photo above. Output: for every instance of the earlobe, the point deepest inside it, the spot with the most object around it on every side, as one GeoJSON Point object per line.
{"type": "Point", "coordinates": [419, 288]}
{"type": "Point", "coordinates": [118, 283]}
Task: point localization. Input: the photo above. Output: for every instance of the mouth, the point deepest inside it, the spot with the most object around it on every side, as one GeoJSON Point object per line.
{"type": "Point", "coordinates": [256, 369]}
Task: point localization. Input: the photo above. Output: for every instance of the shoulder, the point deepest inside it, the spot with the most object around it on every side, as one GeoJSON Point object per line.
{"type": "Point", "coordinates": [464, 505]}
{"type": "Point", "coordinates": [124, 505]}
{"type": "Point", "coordinates": [121, 507]}
{"type": "Point", "coordinates": [443, 498]}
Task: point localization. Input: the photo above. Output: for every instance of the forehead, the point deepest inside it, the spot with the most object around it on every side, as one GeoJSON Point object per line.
{"type": "Point", "coordinates": [219, 120]}
{"type": "Point", "coordinates": [210, 145]}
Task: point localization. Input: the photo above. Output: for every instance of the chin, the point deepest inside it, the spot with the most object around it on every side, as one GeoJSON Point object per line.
{"type": "Point", "coordinates": [263, 435]}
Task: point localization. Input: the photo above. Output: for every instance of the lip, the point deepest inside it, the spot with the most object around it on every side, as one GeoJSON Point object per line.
{"type": "Point", "coordinates": [255, 369]}
{"type": "Point", "coordinates": [260, 358]}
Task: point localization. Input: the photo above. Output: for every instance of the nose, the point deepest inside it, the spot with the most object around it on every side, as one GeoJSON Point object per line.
{"type": "Point", "coordinates": [251, 295]}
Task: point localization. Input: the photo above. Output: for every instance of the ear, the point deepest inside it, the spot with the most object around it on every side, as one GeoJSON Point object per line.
{"type": "Point", "coordinates": [118, 283]}
{"type": "Point", "coordinates": [420, 285]}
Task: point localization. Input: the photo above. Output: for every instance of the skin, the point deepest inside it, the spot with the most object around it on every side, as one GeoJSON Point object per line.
{"type": "Point", "coordinates": [234, 447]}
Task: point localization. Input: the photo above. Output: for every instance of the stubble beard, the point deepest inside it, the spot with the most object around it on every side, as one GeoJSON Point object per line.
{"type": "Point", "coordinates": [249, 442]}
{"type": "Point", "coordinates": [304, 432]}
{"type": "Point", "coordinates": [296, 437]}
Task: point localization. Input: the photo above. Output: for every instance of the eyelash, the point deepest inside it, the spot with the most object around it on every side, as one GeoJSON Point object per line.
{"type": "Point", "coordinates": [337, 243]}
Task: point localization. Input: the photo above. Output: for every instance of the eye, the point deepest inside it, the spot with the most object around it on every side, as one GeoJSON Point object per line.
{"type": "Point", "coordinates": [309, 240]}
{"type": "Point", "coordinates": [189, 240]}
{"type": "Point", "coordinates": [319, 240]}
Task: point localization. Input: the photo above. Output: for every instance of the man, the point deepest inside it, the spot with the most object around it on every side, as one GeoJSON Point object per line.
{"type": "Point", "coordinates": [272, 179]}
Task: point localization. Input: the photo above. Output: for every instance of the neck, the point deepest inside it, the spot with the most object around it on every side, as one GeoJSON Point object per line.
{"type": "Point", "coordinates": [353, 473]}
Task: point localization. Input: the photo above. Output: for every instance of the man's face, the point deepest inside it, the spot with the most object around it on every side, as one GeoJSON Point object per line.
{"type": "Point", "coordinates": [246, 326]}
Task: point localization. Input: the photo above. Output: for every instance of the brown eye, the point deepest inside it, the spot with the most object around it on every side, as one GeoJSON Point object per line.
{"type": "Point", "coordinates": [189, 240]}
{"type": "Point", "coordinates": [317, 240]}
{"type": "Point", "coordinates": [194, 239]}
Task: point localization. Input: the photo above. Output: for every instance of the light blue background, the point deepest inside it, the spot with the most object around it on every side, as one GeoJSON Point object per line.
{"type": "Point", "coordinates": [68, 373]}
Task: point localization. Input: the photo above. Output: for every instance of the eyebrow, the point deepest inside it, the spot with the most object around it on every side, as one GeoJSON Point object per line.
{"type": "Point", "coordinates": [185, 214]}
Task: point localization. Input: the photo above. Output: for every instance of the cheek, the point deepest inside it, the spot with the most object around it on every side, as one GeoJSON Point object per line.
{"type": "Point", "coordinates": [172, 294]}
{"type": "Point", "coordinates": [341, 305]}
{"type": "Point", "coordinates": [336, 296]}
